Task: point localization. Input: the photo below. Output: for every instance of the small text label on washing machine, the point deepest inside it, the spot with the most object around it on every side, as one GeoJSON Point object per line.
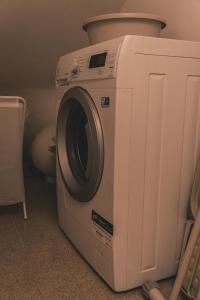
{"type": "Point", "coordinates": [62, 82]}
{"type": "Point", "coordinates": [102, 229]}
{"type": "Point", "coordinates": [105, 101]}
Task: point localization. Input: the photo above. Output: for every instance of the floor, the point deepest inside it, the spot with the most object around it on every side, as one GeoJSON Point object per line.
{"type": "Point", "coordinates": [38, 262]}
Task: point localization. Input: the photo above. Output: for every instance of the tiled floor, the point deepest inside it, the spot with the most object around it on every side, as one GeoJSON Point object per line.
{"type": "Point", "coordinates": [38, 262]}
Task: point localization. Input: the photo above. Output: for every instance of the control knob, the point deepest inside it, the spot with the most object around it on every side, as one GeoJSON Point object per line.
{"type": "Point", "coordinates": [75, 68]}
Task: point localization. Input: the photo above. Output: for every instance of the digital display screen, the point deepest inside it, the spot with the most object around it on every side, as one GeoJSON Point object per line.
{"type": "Point", "coordinates": [98, 60]}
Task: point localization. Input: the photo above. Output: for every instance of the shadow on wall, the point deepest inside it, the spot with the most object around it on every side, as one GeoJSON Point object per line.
{"type": "Point", "coordinates": [182, 16]}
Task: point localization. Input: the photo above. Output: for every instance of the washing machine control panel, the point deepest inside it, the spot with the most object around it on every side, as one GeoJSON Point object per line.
{"type": "Point", "coordinates": [87, 65]}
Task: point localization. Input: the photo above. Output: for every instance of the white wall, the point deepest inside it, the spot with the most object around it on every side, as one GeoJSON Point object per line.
{"type": "Point", "coordinates": [183, 16]}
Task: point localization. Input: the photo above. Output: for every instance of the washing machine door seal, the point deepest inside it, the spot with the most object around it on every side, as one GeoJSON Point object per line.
{"type": "Point", "coordinates": [80, 147]}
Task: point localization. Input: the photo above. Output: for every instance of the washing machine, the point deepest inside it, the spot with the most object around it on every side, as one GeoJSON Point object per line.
{"type": "Point", "coordinates": [127, 145]}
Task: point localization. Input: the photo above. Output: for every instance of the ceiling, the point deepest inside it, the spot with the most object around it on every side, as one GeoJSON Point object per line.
{"type": "Point", "coordinates": [34, 33]}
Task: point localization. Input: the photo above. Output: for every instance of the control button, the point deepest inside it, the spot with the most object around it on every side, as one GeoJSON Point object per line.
{"type": "Point", "coordinates": [75, 69]}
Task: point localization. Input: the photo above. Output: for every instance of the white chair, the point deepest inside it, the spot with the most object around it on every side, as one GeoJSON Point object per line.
{"type": "Point", "coordinates": [12, 117]}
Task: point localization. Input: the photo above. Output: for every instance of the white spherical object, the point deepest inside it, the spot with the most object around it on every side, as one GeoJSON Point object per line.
{"type": "Point", "coordinates": [41, 154]}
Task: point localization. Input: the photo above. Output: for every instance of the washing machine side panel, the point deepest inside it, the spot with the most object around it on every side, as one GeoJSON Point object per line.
{"type": "Point", "coordinates": [122, 146]}
{"type": "Point", "coordinates": [164, 150]}
{"type": "Point", "coordinates": [147, 106]}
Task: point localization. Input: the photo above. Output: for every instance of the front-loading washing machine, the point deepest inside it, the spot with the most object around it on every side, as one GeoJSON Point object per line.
{"type": "Point", "coordinates": [127, 146]}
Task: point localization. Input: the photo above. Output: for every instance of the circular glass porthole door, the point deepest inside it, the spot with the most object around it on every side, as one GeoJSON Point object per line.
{"type": "Point", "coordinates": [80, 144]}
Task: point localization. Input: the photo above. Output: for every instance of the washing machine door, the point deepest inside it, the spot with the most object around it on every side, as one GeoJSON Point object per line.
{"type": "Point", "coordinates": [80, 148]}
